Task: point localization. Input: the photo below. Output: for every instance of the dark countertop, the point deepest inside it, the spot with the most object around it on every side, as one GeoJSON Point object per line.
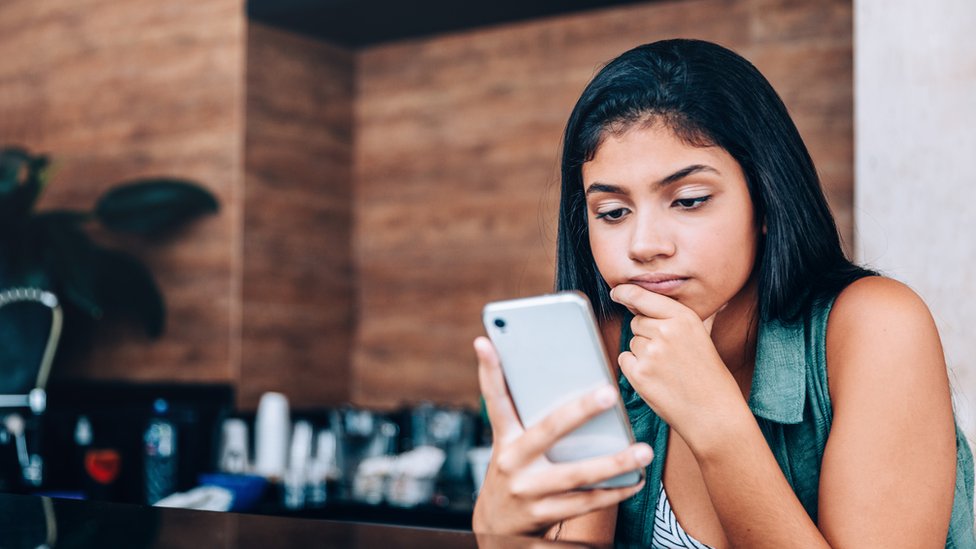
{"type": "Point", "coordinates": [457, 517]}
{"type": "Point", "coordinates": [33, 521]}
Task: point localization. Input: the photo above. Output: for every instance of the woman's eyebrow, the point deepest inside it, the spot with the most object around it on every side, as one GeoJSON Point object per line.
{"type": "Point", "coordinates": [604, 188]}
{"type": "Point", "coordinates": [676, 176]}
{"type": "Point", "coordinates": [685, 172]}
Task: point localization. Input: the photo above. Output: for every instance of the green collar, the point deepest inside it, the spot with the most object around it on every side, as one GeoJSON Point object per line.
{"type": "Point", "coordinates": [779, 382]}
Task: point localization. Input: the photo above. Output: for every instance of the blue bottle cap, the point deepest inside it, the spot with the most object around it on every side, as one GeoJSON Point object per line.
{"type": "Point", "coordinates": [160, 406]}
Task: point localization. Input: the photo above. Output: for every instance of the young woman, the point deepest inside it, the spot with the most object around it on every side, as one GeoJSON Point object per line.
{"type": "Point", "coordinates": [781, 396]}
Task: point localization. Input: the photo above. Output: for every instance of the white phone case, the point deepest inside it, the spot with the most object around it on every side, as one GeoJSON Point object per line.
{"type": "Point", "coordinates": [551, 352]}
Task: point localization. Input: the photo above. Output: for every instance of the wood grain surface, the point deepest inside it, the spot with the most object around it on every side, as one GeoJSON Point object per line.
{"type": "Point", "coordinates": [456, 158]}
{"type": "Point", "coordinates": [297, 313]}
{"type": "Point", "coordinates": [119, 89]}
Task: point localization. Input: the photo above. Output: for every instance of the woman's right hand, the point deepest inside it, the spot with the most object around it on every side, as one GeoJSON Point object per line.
{"type": "Point", "coordinates": [523, 492]}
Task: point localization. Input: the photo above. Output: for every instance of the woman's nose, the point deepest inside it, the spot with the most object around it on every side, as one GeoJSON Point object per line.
{"type": "Point", "coordinates": [649, 241]}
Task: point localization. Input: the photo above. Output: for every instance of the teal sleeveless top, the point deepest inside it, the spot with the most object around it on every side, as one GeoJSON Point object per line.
{"type": "Point", "coordinates": [791, 403]}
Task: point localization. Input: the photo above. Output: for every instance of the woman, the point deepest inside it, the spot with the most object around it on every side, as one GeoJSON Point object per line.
{"type": "Point", "coordinates": [788, 397]}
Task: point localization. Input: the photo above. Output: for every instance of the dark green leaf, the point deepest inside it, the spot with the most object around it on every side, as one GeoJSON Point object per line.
{"type": "Point", "coordinates": [18, 198]}
{"type": "Point", "coordinates": [12, 160]}
{"type": "Point", "coordinates": [27, 249]}
{"type": "Point", "coordinates": [63, 217]}
{"type": "Point", "coordinates": [69, 255]}
{"type": "Point", "coordinates": [126, 285]}
{"type": "Point", "coordinates": [152, 206]}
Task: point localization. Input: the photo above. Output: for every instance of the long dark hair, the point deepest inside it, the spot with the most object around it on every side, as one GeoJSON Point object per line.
{"type": "Point", "coordinates": [709, 95]}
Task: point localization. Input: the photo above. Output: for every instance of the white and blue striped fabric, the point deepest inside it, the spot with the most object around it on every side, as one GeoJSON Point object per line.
{"type": "Point", "coordinates": [668, 534]}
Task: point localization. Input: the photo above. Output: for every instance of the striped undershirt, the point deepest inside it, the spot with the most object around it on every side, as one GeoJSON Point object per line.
{"type": "Point", "coordinates": [668, 534]}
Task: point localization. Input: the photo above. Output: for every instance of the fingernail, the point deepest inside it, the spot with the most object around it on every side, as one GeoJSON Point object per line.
{"type": "Point", "coordinates": [644, 454]}
{"type": "Point", "coordinates": [606, 396]}
{"type": "Point", "coordinates": [480, 344]}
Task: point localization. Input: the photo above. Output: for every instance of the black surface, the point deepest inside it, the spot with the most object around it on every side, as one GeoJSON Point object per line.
{"type": "Point", "coordinates": [30, 521]}
{"type": "Point", "coordinates": [457, 517]}
{"type": "Point", "coordinates": [359, 23]}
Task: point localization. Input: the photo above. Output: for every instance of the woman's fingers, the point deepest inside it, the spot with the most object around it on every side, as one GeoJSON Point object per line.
{"type": "Point", "coordinates": [501, 412]}
{"type": "Point", "coordinates": [566, 477]}
{"type": "Point", "coordinates": [645, 302]}
{"type": "Point", "coordinates": [555, 509]}
{"type": "Point", "coordinates": [571, 476]}
{"type": "Point", "coordinates": [646, 326]}
{"type": "Point", "coordinates": [560, 422]}
{"type": "Point", "coordinates": [628, 363]}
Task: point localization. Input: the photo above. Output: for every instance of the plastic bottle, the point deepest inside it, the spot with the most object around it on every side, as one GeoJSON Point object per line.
{"type": "Point", "coordinates": [83, 441]}
{"type": "Point", "coordinates": [160, 454]}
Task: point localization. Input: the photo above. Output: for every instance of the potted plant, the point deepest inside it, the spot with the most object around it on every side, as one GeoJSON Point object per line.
{"type": "Point", "coordinates": [52, 250]}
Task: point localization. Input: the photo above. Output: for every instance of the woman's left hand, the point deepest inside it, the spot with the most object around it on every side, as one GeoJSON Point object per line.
{"type": "Point", "coordinates": [674, 366]}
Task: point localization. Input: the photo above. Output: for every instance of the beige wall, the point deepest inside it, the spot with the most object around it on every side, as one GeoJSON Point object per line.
{"type": "Point", "coordinates": [456, 164]}
{"type": "Point", "coordinates": [915, 214]}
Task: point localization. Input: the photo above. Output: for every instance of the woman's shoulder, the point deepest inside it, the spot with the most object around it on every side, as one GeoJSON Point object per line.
{"type": "Point", "coordinates": [876, 303]}
{"type": "Point", "coordinates": [879, 328]}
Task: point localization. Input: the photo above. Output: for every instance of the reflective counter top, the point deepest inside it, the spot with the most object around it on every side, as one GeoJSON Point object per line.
{"type": "Point", "coordinates": [33, 521]}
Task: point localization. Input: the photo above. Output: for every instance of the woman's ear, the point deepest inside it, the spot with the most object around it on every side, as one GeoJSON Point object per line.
{"type": "Point", "coordinates": [764, 227]}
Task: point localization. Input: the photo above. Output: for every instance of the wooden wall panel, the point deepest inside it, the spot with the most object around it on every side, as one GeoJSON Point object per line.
{"type": "Point", "coordinates": [119, 89]}
{"type": "Point", "coordinates": [297, 268]}
{"type": "Point", "coordinates": [805, 49]}
{"type": "Point", "coordinates": [456, 158]}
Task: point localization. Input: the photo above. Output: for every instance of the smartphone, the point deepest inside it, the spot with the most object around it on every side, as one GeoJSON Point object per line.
{"type": "Point", "coordinates": [551, 353]}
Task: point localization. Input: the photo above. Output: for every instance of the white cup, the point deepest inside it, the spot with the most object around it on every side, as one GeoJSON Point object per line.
{"type": "Point", "coordinates": [234, 447]}
{"type": "Point", "coordinates": [272, 431]}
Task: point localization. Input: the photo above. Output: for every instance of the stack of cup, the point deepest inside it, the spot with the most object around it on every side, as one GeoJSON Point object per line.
{"type": "Point", "coordinates": [272, 430]}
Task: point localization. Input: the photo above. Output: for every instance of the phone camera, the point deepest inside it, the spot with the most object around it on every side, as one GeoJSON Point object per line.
{"type": "Point", "coordinates": [500, 323]}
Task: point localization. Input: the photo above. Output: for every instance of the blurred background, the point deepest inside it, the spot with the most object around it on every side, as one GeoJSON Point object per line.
{"type": "Point", "coordinates": [384, 168]}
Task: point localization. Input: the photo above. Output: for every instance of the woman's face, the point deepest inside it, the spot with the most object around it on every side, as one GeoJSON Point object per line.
{"type": "Point", "coordinates": [671, 217]}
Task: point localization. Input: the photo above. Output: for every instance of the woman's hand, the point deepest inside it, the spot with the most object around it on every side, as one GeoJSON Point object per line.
{"type": "Point", "coordinates": [674, 366]}
{"type": "Point", "coordinates": [524, 493]}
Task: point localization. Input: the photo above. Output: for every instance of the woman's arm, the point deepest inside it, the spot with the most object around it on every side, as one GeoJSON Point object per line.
{"type": "Point", "coordinates": [888, 473]}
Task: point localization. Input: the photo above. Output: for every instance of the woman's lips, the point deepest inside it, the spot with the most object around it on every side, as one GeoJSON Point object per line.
{"type": "Point", "coordinates": [660, 285]}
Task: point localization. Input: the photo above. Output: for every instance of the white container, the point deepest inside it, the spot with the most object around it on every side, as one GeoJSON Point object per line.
{"type": "Point", "coordinates": [234, 447]}
{"type": "Point", "coordinates": [323, 468]}
{"type": "Point", "coordinates": [272, 433]}
{"type": "Point", "coordinates": [299, 464]}
{"type": "Point", "coordinates": [300, 455]}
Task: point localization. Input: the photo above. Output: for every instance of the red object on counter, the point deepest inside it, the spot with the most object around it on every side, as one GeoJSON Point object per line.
{"type": "Point", "coordinates": [103, 465]}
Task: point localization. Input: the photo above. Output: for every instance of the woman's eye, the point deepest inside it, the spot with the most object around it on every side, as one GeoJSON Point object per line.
{"type": "Point", "coordinates": [691, 203]}
{"type": "Point", "coordinates": [612, 215]}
